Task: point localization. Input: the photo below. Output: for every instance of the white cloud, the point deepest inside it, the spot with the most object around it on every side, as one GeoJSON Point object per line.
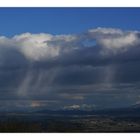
{"type": "Point", "coordinates": [86, 107]}
{"type": "Point", "coordinates": [122, 41]}
{"type": "Point", "coordinates": [34, 46]}
{"type": "Point", "coordinates": [72, 107]}
{"type": "Point", "coordinates": [114, 40]}
{"type": "Point", "coordinates": [102, 32]}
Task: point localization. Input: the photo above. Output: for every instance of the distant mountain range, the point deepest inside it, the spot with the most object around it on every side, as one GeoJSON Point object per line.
{"type": "Point", "coordinates": [131, 111]}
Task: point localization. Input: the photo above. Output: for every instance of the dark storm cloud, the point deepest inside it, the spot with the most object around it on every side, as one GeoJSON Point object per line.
{"type": "Point", "coordinates": [69, 67]}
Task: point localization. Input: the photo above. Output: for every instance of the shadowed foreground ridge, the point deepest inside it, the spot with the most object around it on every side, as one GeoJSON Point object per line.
{"type": "Point", "coordinates": [119, 120]}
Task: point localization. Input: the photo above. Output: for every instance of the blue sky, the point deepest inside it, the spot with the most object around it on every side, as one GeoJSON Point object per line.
{"type": "Point", "coordinates": [66, 20]}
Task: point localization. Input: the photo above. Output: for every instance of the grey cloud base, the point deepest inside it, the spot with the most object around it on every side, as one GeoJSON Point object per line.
{"type": "Point", "coordinates": [72, 70]}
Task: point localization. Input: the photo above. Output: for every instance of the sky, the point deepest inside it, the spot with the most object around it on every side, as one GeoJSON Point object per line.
{"type": "Point", "coordinates": [69, 58]}
{"type": "Point", "coordinates": [66, 20]}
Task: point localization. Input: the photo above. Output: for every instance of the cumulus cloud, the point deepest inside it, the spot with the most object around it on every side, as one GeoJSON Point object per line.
{"type": "Point", "coordinates": [62, 67]}
{"type": "Point", "coordinates": [43, 47]}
